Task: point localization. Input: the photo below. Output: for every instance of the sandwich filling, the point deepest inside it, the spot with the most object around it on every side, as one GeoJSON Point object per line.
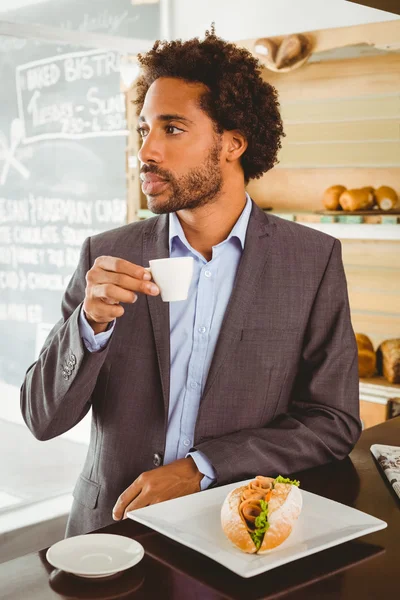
{"type": "Point", "coordinates": [253, 507]}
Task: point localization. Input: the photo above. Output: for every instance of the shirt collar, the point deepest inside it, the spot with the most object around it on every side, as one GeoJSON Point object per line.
{"type": "Point", "coordinates": [239, 229]}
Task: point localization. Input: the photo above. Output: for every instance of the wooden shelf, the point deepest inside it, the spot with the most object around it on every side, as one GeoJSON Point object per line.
{"type": "Point", "coordinates": [358, 232]}
{"type": "Point", "coordinates": [378, 389]}
{"type": "Point", "coordinates": [379, 400]}
{"type": "Point", "coordinates": [350, 231]}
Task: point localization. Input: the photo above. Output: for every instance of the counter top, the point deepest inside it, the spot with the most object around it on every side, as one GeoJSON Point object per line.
{"type": "Point", "coordinates": [364, 568]}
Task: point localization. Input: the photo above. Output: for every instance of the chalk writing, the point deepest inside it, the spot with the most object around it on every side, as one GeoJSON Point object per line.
{"type": "Point", "coordinates": [68, 96]}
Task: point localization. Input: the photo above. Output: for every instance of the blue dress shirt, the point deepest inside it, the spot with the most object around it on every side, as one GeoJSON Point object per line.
{"type": "Point", "coordinates": [195, 324]}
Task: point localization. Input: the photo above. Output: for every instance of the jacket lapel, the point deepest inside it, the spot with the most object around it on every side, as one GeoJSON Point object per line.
{"type": "Point", "coordinates": [259, 236]}
{"type": "Point", "coordinates": [156, 245]}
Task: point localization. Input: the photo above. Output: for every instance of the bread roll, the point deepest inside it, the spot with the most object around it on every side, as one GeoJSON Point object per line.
{"type": "Point", "coordinates": [357, 199]}
{"type": "Point", "coordinates": [284, 509]}
{"type": "Point", "coordinates": [363, 342]}
{"type": "Point", "coordinates": [292, 49]}
{"type": "Point", "coordinates": [331, 197]}
{"type": "Point", "coordinates": [242, 509]}
{"type": "Point", "coordinates": [388, 360]}
{"type": "Point", "coordinates": [266, 48]}
{"type": "Point", "coordinates": [386, 197]}
{"type": "Point", "coordinates": [371, 190]}
{"type": "Point", "coordinates": [366, 356]}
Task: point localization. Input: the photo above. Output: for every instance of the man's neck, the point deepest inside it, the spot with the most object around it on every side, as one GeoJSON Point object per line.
{"type": "Point", "coordinates": [211, 224]}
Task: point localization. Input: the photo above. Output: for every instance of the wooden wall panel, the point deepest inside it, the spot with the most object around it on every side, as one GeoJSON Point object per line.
{"type": "Point", "coordinates": [372, 413]}
{"type": "Point", "coordinates": [337, 154]}
{"type": "Point", "coordinates": [344, 131]}
{"type": "Point", "coordinates": [373, 279]}
{"type": "Point", "coordinates": [346, 111]}
{"type": "Point", "coordinates": [302, 189]}
{"type": "Point", "coordinates": [341, 109]}
{"type": "Point", "coordinates": [378, 326]}
{"type": "Point", "coordinates": [382, 254]}
{"type": "Point", "coordinates": [368, 279]}
{"type": "Point", "coordinates": [353, 77]}
{"type": "Point", "coordinates": [373, 301]}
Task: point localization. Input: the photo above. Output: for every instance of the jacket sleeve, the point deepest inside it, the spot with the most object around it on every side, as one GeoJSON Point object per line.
{"type": "Point", "coordinates": [56, 392]}
{"type": "Point", "coordinates": [323, 422]}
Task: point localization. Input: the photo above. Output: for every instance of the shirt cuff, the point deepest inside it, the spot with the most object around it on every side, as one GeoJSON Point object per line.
{"type": "Point", "coordinates": [94, 343]}
{"type": "Point", "coordinates": [205, 467]}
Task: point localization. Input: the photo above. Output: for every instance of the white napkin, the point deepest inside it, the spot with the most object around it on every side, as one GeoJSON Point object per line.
{"type": "Point", "coordinates": [388, 458]}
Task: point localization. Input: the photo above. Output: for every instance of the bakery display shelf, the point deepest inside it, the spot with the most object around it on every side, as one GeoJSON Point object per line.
{"type": "Point", "coordinates": [348, 227]}
{"type": "Point", "coordinates": [392, 211]}
{"type": "Point", "coordinates": [379, 390]}
{"type": "Point", "coordinates": [359, 231]}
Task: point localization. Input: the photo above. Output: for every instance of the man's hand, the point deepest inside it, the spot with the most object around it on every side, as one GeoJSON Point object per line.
{"type": "Point", "coordinates": [179, 478]}
{"type": "Point", "coordinates": [109, 282]}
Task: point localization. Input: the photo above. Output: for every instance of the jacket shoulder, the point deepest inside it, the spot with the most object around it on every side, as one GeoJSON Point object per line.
{"type": "Point", "coordinates": [129, 236]}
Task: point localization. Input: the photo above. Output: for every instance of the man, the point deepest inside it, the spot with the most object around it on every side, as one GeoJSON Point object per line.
{"type": "Point", "coordinates": [256, 373]}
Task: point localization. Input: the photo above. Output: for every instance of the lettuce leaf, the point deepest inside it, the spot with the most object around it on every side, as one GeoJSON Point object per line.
{"type": "Point", "coordinates": [261, 521]}
{"type": "Point", "coordinates": [262, 525]}
{"type": "Point", "coordinates": [281, 479]}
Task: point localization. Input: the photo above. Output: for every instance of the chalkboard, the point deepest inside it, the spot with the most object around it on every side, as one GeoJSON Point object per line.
{"type": "Point", "coordinates": [62, 161]}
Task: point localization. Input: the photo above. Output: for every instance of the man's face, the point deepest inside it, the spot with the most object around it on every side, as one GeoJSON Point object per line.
{"type": "Point", "coordinates": [180, 152]}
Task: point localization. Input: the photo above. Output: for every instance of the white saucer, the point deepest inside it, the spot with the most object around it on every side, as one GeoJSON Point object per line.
{"type": "Point", "coordinates": [95, 554]}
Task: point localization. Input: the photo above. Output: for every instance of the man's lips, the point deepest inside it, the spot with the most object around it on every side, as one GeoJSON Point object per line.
{"type": "Point", "coordinates": [152, 184]}
{"type": "Point", "coordinates": [151, 177]}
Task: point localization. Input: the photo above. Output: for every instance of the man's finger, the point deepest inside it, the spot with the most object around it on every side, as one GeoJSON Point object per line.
{"type": "Point", "coordinates": [113, 294]}
{"type": "Point", "coordinates": [119, 265]}
{"type": "Point", "coordinates": [125, 499]}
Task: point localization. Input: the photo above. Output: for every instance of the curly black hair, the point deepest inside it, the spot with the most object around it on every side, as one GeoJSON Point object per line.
{"type": "Point", "coordinates": [237, 96]}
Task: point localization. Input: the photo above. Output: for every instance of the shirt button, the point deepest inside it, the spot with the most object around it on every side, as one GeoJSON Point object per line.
{"type": "Point", "coordinates": [186, 442]}
{"type": "Point", "coordinates": [157, 459]}
{"type": "Point", "coordinates": [193, 385]}
{"type": "Point", "coordinates": [202, 329]}
{"type": "Point", "coordinates": [207, 273]}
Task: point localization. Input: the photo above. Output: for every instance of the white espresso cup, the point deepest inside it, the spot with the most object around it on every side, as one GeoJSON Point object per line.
{"type": "Point", "coordinates": [173, 276]}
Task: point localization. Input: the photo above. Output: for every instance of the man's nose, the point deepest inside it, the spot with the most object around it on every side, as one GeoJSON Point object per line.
{"type": "Point", "coordinates": [150, 150]}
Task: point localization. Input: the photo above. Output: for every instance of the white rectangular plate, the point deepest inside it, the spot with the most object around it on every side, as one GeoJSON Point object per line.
{"type": "Point", "coordinates": [195, 522]}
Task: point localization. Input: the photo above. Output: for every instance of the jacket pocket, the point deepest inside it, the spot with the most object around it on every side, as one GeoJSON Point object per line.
{"type": "Point", "coordinates": [86, 492]}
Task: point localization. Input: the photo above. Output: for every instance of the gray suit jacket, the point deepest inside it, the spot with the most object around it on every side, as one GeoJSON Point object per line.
{"type": "Point", "coordinates": [282, 390]}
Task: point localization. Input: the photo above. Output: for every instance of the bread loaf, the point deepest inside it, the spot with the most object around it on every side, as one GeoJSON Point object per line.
{"type": "Point", "coordinates": [370, 190]}
{"type": "Point", "coordinates": [386, 197]}
{"type": "Point", "coordinates": [331, 196]}
{"type": "Point", "coordinates": [388, 360]}
{"type": "Point", "coordinates": [266, 48]}
{"type": "Point", "coordinates": [366, 356]}
{"type": "Point", "coordinates": [291, 50]}
{"type": "Point", "coordinates": [357, 199]}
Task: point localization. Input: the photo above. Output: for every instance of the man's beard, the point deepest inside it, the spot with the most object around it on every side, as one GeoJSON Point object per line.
{"type": "Point", "coordinates": [200, 186]}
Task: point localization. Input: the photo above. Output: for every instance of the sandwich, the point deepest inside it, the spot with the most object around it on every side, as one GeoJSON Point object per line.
{"type": "Point", "coordinates": [261, 515]}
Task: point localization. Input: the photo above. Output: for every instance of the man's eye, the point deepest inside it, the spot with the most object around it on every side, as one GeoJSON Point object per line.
{"type": "Point", "coordinates": [170, 128]}
{"type": "Point", "coordinates": [142, 132]}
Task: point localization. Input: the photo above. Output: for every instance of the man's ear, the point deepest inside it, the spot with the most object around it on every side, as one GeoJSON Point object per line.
{"type": "Point", "coordinates": [236, 144]}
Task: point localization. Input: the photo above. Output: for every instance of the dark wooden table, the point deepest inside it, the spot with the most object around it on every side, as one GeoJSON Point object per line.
{"type": "Point", "coordinates": [366, 568]}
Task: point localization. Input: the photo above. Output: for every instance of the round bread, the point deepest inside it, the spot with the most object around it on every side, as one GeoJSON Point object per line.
{"type": "Point", "coordinates": [266, 48]}
{"type": "Point", "coordinates": [363, 342]}
{"type": "Point", "coordinates": [232, 524]}
{"type": "Point", "coordinates": [331, 196]}
{"type": "Point", "coordinates": [284, 507]}
{"type": "Point", "coordinates": [366, 356]}
{"type": "Point", "coordinates": [366, 363]}
{"type": "Point", "coordinates": [386, 197]}
{"type": "Point", "coordinates": [362, 199]}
